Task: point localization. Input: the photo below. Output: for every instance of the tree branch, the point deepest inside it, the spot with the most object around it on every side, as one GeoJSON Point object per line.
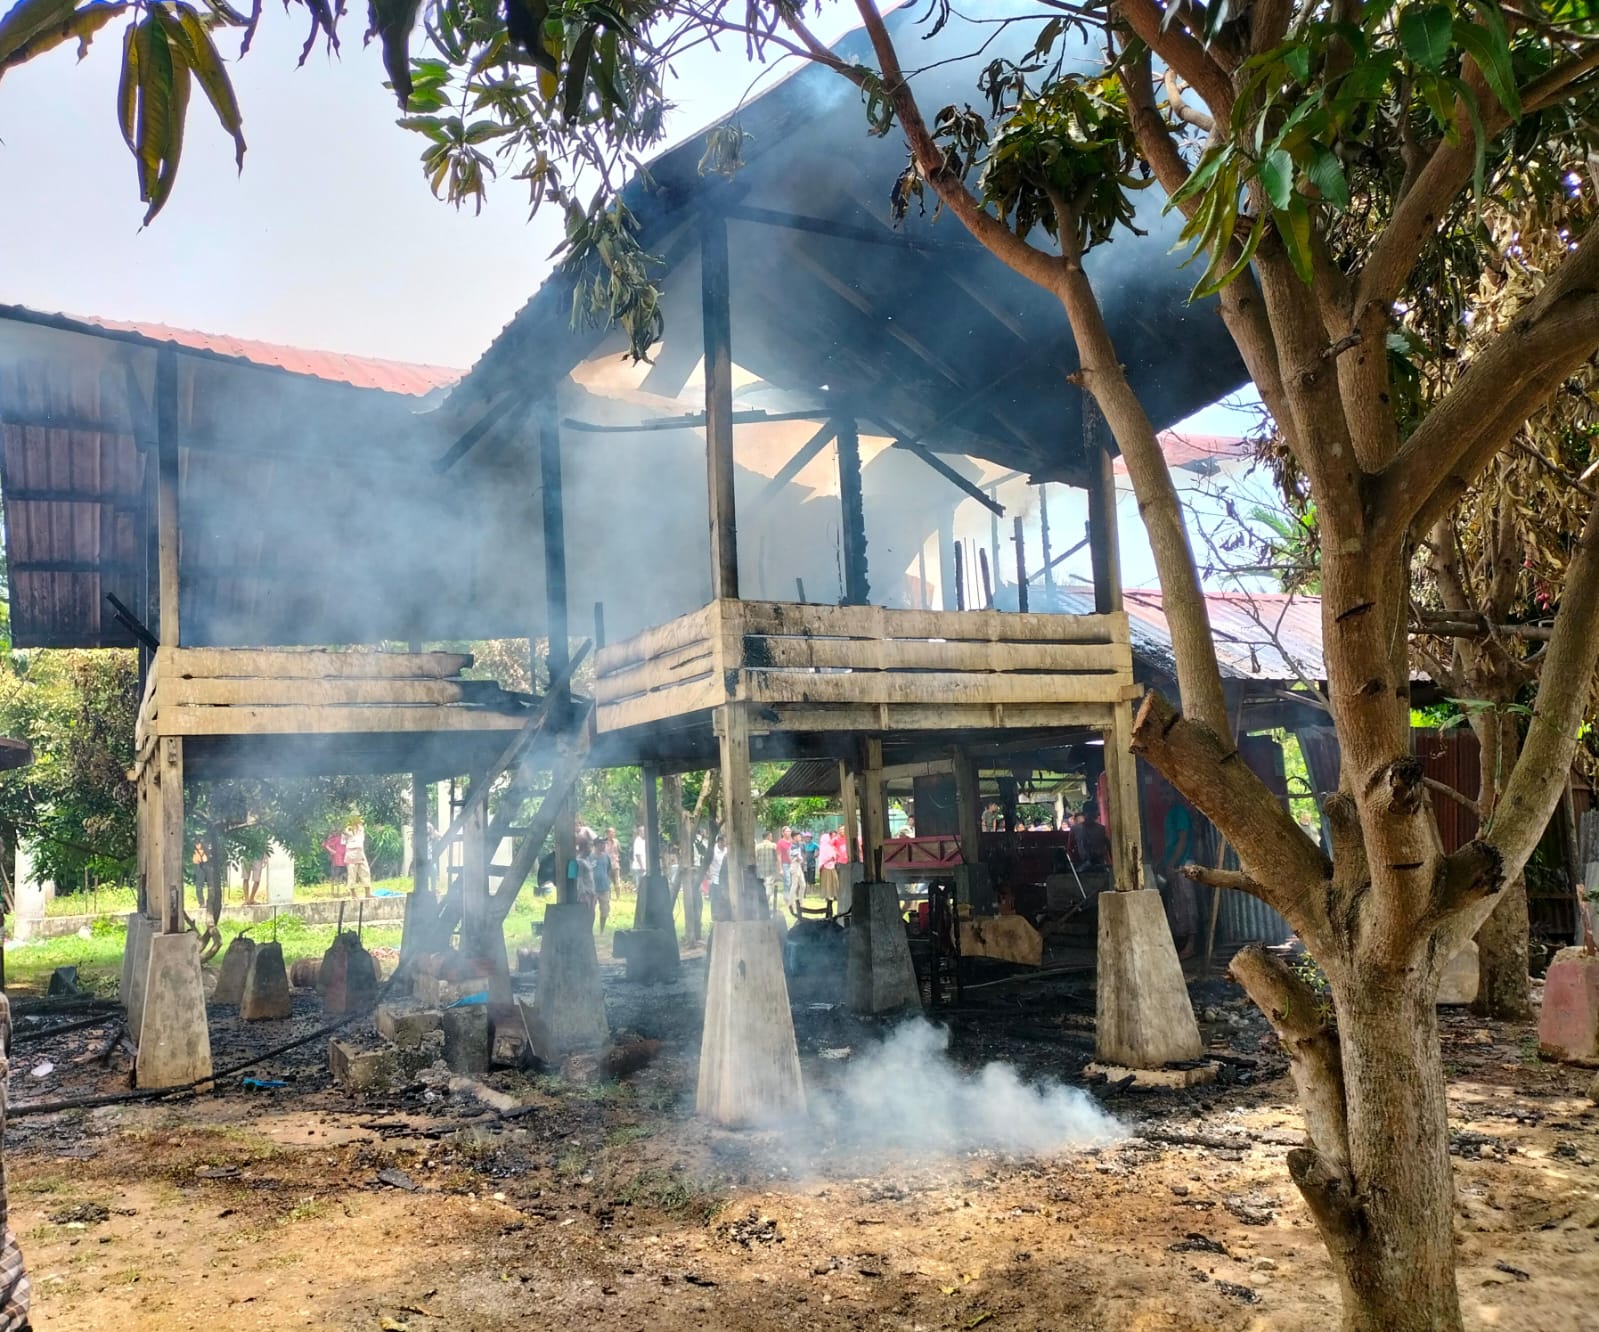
{"type": "Point", "coordinates": [1460, 798]}
{"type": "Point", "coordinates": [1189, 115]}
{"type": "Point", "coordinates": [1221, 878]}
{"type": "Point", "coordinates": [1242, 309]}
{"type": "Point", "coordinates": [1179, 50]}
{"type": "Point", "coordinates": [1564, 688]}
{"type": "Point", "coordinates": [1285, 864]}
{"type": "Point", "coordinates": [1299, 1016]}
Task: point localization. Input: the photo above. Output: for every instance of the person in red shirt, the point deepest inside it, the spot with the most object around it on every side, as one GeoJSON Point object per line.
{"type": "Point", "coordinates": [334, 846]}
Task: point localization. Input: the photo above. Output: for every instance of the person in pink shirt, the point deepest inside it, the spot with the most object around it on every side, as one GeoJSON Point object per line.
{"type": "Point", "coordinates": [826, 866]}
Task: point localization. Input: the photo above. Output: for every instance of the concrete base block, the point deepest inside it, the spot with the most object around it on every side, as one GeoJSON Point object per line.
{"type": "Point", "coordinates": [348, 978]}
{"type": "Point", "coordinates": [749, 1063]}
{"type": "Point", "coordinates": [466, 1039]}
{"type": "Point", "coordinates": [406, 1027]}
{"type": "Point", "coordinates": [880, 976]}
{"type": "Point", "coordinates": [568, 1002]}
{"type": "Point", "coordinates": [1143, 1018]}
{"type": "Point", "coordinates": [850, 877]}
{"type": "Point", "coordinates": [136, 970]}
{"type": "Point", "coordinates": [1568, 1027]}
{"type": "Point", "coordinates": [652, 955]}
{"type": "Point", "coordinates": [1459, 982]}
{"type": "Point", "coordinates": [235, 966]}
{"type": "Point", "coordinates": [655, 904]}
{"type": "Point", "coordinates": [174, 1041]}
{"type": "Point", "coordinates": [1149, 1078]}
{"type": "Point", "coordinates": [266, 986]}
{"type": "Point", "coordinates": [361, 1070]}
{"type": "Point", "coordinates": [1002, 938]}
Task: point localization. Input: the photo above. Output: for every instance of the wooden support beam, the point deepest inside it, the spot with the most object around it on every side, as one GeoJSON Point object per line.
{"type": "Point", "coordinates": [1043, 527]}
{"type": "Point", "coordinates": [1018, 536]}
{"type": "Point", "coordinates": [874, 809]}
{"type": "Point", "coordinates": [1126, 826]}
{"type": "Point", "coordinates": [716, 299]}
{"type": "Point", "coordinates": [475, 857]}
{"type": "Point", "coordinates": [857, 587]}
{"type": "Point", "coordinates": [968, 806]}
{"type": "Point", "coordinates": [849, 807]}
{"type": "Point", "coordinates": [1102, 538]}
{"type": "Point", "coordinates": [652, 820]}
{"type": "Point", "coordinates": [167, 827]}
{"type": "Point", "coordinates": [166, 409]}
{"type": "Point", "coordinates": [733, 736]}
{"type": "Point", "coordinates": [473, 435]}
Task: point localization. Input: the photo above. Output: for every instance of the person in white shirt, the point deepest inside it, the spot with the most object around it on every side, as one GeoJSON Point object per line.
{"type": "Point", "coordinates": [356, 870]}
{"type": "Point", "coordinates": [641, 858]}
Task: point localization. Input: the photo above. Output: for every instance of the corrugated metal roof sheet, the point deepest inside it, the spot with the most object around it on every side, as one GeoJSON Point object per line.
{"type": "Point", "coordinates": [370, 372]}
{"type": "Point", "coordinates": [1183, 449]}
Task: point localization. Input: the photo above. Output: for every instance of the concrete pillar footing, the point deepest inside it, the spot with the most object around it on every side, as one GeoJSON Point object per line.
{"type": "Point", "coordinates": [568, 1001]}
{"type": "Point", "coordinates": [880, 975]}
{"type": "Point", "coordinates": [1144, 1018]}
{"type": "Point", "coordinates": [749, 1062]}
{"type": "Point", "coordinates": [174, 1041]}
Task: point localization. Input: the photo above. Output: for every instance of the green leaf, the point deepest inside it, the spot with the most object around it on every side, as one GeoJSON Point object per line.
{"type": "Point", "coordinates": [1210, 285]}
{"type": "Point", "coordinates": [1277, 177]}
{"type": "Point", "coordinates": [81, 24]}
{"type": "Point", "coordinates": [391, 21]}
{"type": "Point", "coordinates": [154, 91]}
{"type": "Point", "coordinates": [128, 84]}
{"type": "Point", "coordinates": [1493, 58]}
{"type": "Point", "coordinates": [1200, 177]}
{"type": "Point", "coordinates": [1424, 33]}
{"type": "Point", "coordinates": [1479, 135]}
{"type": "Point", "coordinates": [202, 56]}
{"type": "Point", "coordinates": [1297, 60]}
{"type": "Point", "coordinates": [1326, 173]}
{"type": "Point", "coordinates": [577, 74]}
{"type": "Point", "coordinates": [1293, 225]}
{"type": "Point", "coordinates": [26, 20]}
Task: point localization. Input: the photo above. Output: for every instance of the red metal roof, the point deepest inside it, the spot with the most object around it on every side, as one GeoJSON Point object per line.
{"type": "Point", "coordinates": [368, 372]}
{"type": "Point", "coordinates": [1183, 449]}
{"type": "Point", "coordinates": [1259, 635]}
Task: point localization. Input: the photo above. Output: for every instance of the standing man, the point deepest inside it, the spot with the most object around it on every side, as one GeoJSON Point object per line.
{"type": "Point", "coordinates": [582, 872]}
{"type": "Point", "coordinates": [766, 866]}
{"type": "Point", "coordinates": [333, 844]}
{"type": "Point", "coordinates": [357, 873]}
{"type": "Point", "coordinates": [604, 871]}
{"type": "Point", "coordinates": [641, 855]}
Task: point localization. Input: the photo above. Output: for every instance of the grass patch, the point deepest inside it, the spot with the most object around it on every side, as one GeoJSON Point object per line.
{"type": "Point", "coordinates": [307, 1209]}
{"type": "Point", "coordinates": [670, 1191]}
{"type": "Point", "coordinates": [620, 1137]}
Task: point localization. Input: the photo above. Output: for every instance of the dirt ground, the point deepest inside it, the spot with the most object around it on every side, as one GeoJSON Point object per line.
{"type": "Point", "coordinates": [609, 1203]}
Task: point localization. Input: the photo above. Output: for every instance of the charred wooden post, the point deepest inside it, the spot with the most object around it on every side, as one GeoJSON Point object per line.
{"type": "Point", "coordinates": [958, 570]}
{"type": "Point", "coordinates": [857, 590]}
{"type": "Point", "coordinates": [166, 409]}
{"type": "Point", "coordinates": [1102, 543]}
{"type": "Point", "coordinates": [716, 299]}
{"type": "Point", "coordinates": [652, 820]}
{"type": "Point", "coordinates": [1018, 536]}
{"type": "Point", "coordinates": [553, 514]}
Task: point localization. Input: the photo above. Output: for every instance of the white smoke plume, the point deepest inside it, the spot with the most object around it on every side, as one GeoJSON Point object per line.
{"type": "Point", "coordinates": [908, 1094]}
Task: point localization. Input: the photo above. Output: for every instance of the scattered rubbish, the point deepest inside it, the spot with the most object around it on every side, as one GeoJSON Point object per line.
{"type": "Point", "coordinates": [754, 1229]}
{"type": "Point", "coordinates": [1243, 1294]}
{"type": "Point", "coordinates": [397, 1179]}
{"type": "Point", "coordinates": [466, 1000]}
{"type": "Point", "coordinates": [217, 1172]}
{"type": "Point", "coordinates": [1194, 1242]}
{"type": "Point", "coordinates": [1251, 1211]}
{"type": "Point", "coordinates": [64, 981]}
{"type": "Point", "coordinates": [1508, 1270]}
{"type": "Point", "coordinates": [43, 1069]}
{"type": "Point", "coordinates": [262, 1084]}
{"type": "Point", "coordinates": [835, 1052]}
{"type": "Point", "coordinates": [81, 1214]}
{"type": "Point", "coordinates": [695, 1279]}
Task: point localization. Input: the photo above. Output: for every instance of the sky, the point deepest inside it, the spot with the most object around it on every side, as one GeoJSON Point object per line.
{"type": "Point", "coordinates": [329, 238]}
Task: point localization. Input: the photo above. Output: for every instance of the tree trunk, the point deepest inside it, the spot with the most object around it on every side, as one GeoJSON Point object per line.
{"type": "Point", "coordinates": [1504, 989]}
{"type": "Point", "coordinates": [1392, 1243]}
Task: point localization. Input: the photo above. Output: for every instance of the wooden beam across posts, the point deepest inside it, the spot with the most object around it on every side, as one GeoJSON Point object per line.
{"type": "Point", "coordinates": [716, 298]}
{"type": "Point", "coordinates": [166, 409]}
{"type": "Point", "coordinates": [852, 504]}
{"type": "Point", "coordinates": [874, 809]}
{"type": "Point", "coordinates": [1102, 539]}
{"type": "Point", "coordinates": [733, 736]}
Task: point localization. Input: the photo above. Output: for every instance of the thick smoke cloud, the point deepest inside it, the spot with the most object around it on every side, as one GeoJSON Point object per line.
{"type": "Point", "coordinates": [908, 1095]}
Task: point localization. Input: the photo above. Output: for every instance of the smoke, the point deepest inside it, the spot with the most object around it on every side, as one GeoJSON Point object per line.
{"type": "Point", "coordinates": [908, 1094]}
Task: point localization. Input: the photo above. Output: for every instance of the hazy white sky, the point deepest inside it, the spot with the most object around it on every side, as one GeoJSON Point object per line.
{"type": "Point", "coordinates": [329, 238]}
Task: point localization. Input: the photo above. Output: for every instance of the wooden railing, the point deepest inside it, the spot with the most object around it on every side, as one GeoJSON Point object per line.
{"type": "Point", "coordinates": [931, 668]}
